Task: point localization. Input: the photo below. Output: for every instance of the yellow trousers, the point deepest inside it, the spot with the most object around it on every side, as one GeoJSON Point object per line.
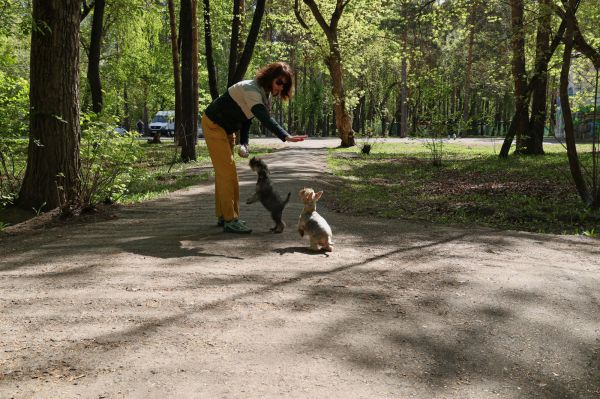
{"type": "Point", "coordinates": [227, 187]}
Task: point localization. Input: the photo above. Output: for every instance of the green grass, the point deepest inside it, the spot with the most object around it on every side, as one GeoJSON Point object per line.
{"type": "Point", "coordinates": [159, 171]}
{"type": "Point", "coordinates": [472, 187]}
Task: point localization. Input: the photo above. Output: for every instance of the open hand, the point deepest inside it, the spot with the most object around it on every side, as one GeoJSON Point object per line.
{"type": "Point", "coordinates": [294, 139]}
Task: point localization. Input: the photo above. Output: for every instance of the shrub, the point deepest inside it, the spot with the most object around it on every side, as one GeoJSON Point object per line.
{"type": "Point", "coordinates": [12, 168]}
{"type": "Point", "coordinates": [14, 106]}
{"type": "Point", "coordinates": [107, 163]}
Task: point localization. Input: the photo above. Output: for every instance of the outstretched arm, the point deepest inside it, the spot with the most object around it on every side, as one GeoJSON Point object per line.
{"type": "Point", "coordinates": [262, 114]}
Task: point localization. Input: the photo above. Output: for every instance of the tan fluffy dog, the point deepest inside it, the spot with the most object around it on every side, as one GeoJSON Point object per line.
{"type": "Point", "coordinates": [312, 224]}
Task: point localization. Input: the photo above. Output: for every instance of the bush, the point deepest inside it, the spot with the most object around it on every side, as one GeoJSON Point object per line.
{"type": "Point", "coordinates": [14, 115]}
{"type": "Point", "coordinates": [12, 168]}
{"type": "Point", "coordinates": [14, 106]}
{"type": "Point", "coordinates": [107, 163]}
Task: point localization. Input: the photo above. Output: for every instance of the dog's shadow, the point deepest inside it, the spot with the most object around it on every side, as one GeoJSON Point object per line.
{"type": "Point", "coordinates": [302, 250]}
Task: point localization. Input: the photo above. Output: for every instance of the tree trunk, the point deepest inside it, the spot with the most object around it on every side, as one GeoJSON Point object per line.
{"type": "Point", "coordinates": [236, 24]}
{"type": "Point", "coordinates": [520, 121]}
{"type": "Point", "coordinates": [127, 117]}
{"type": "Point", "coordinates": [210, 61]}
{"type": "Point", "coordinates": [176, 71]}
{"type": "Point", "coordinates": [246, 56]}
{"type": "Point", "coordinates": [467, 92]}
{"type": "Point", "coordinates": [343, 122]}
{"type": "Point", "coordinates": [333, 61]}
{"type": "Point", "coordinates": [404, 92]}
{"type": "Point", "coordinates": [535, 142]}
{"type": "Point", "coordinates": [359, 116]}
{"type": "Point", "coordinates": [93, 73]}
{"type": "Point", "coordinates": [540, 68]}
{"type": "Point", "coordinates": [186, 30]}
{"type": "Point", "coordinates": [194, 137]}
{"type": "Point", "coordinates": [52, 172]}
{"type": "Point", "coordinates": [574, 163]}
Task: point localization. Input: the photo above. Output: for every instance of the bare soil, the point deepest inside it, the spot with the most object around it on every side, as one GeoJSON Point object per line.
{"type": "Point", "coordinates": [155, 301]}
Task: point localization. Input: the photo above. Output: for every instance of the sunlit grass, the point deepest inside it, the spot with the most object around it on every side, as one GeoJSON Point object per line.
{"type": "Point", "coordinates": [472, 187]}
{"type": "Point", "coordinates": [160, 171]}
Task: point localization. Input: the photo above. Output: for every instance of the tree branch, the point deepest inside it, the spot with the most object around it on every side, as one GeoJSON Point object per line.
{"type": "Point", "coordinates": [246, 56]}
{"type": "Point", "coordinates": [424, 6]}
{"type": "Point", "coordinates": [543, 65]}
{"type": "Point", "coordinates": [299, 16]}
{"type": "Point", "coordinates": [337, 14]}
{"type": "Point", "coordinates": [86, 9]}
{"type": "Point", "coordinates": [319, 17]}
{"type": "Point", "coordinates": [583, 46]}
{"type": "Point", "coordinates": [579, 42]}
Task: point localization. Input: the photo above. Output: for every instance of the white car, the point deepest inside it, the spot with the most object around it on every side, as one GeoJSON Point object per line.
{"type": "Point", "coordinates": [163, 122]}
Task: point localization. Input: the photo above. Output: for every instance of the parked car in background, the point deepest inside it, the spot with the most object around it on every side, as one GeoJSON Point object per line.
{"type": "Point", "coordinates": [164, 123]}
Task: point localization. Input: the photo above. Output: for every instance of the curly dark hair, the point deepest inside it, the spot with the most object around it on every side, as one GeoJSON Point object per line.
{"type": "Point", "coordinates": [267, 74]}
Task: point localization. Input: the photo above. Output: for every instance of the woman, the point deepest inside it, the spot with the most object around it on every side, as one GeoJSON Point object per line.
{"type": "Point", "coordinates": [233, 112]}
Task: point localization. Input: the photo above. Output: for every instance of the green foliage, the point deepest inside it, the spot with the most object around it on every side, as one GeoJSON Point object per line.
{"type": "Point", "coordinates": [14, 106]}
{"type": "Point", "coordinates": [12, 167]}
{"type": "Point", "coordinates": [107, 163]}
{"type": "Point", "coordinates": [158, 173]}
{"type": "Point", "coordinates": [136, 67]}
{"type": "Point", "coordinates": [38, 211]}
{"type": "Point", "coordinates": [590, 233]}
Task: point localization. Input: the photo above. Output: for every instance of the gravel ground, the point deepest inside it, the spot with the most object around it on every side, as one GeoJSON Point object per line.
{"type": "Point", "coordinates": [154, 301]}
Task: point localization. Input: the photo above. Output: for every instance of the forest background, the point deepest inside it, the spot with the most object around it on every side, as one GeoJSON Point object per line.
{"type": "Point", "coordinates": [364, 69]}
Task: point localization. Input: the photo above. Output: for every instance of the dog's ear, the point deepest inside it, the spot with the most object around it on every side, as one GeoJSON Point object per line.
{"type": "Point", "coordinates": [318, 195]}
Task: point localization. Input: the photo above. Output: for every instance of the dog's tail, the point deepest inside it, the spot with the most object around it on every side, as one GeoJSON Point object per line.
{"type": "Point", "coordinates": [287, 199]}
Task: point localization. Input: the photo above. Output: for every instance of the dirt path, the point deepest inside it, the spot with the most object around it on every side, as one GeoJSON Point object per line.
{"type": "Point", "coordinates": [157, 302]}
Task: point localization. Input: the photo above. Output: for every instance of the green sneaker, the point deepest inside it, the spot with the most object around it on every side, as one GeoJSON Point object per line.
{"type": "Point", "coordinates": [221, 221]}
{"type": "Point", "coordinates": [235, 226]}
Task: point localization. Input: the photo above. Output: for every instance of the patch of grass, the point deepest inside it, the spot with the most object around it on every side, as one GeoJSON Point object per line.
{"type": "Point", "coordinates": [472, 187]}
{"type": "Point", "coordinates": [159, 172]}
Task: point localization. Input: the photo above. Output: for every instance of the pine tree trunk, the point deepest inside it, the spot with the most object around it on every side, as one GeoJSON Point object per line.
{"type": "Point", "coordinates": [52, 172]}
{"type": "Point", "coordinates": [246, 56]}
{"type": "Point", "coordinates": [467, 92]}
{"type": "Point", "coordinates": [236, 24]}
{"type": "Point", "coordinates": [574, 163]}
{"type": "Point", "coordinates": [404, 93]}
{"type": "Point", "coordinates": [535, 142]}
{"type": "Point", "coordinates": [195, 110]}
{"type": "Point", "coordinates": [210, 62]}
{"type": "Point", "coordinates": [186, 31]}
{"type": "Point", "coordinates": [520, 122]}
{"type": "Point", "coordinates": [176, 71]}
{"type": "Point", "coordinates": [93, 73]}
